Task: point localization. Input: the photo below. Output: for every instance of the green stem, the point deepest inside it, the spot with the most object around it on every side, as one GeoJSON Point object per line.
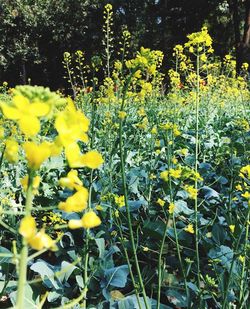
{"type": "Point", "coordinates": [244, 261]}
{"type": "Point", "coordinates": [24, 252]}
{"type": "Point", "coordinates": [129, 266]}
{"type": "Point", "coordinates": [196, 168]}
{"type": "Point", "coordinates": [231, 268]}
{"type": "Point", "coordinates": [131, 234]}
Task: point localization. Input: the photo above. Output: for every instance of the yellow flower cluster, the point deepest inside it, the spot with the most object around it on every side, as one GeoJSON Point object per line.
{"type": "Point", "coordinates": [37, 240]}
{"type": "Point", "coordinates": [26, 113]}
{"type": "Point", "coordinates": [197, 41]}
{"type": "Point", "coordinates": [88, 221]}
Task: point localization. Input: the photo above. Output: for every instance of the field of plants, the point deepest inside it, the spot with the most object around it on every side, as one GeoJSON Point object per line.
{"type": "Point", "coordinates": [132, 193]}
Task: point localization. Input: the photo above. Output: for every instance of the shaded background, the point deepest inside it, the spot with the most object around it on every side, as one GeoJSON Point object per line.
{"type": "Point", "coordinates": [35, 33]}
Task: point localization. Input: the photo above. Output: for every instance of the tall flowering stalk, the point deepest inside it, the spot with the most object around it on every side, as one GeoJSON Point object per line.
{"type": "Point", "coordinates": [72, 126]}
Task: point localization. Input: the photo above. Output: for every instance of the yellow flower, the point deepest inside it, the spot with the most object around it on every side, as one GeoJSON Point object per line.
{"type": "Point", "coordinates": [122, 114]}
{"type": "Point", "coordinates": [11, 150]}
{"type": "Point", "coordinates": [160, 202]}
{"type": "Point", "coordinates": [189, 229]}
{"type": "Point", "coordinates": [77, 202]}
{"type": "Point", "coordinates": [174, 160]}
{"type": "Point", "coordinates": [41, 240]}
{"type": "Point", "coordinates": [232, 228]}
{"type": "Point", "coordinates": [35, 184]}
{"type": "Point", "coordinates": [72, 181]}
{"type": "Point", "coordinates": [92, 159]}
{"type": "Point", "coordinates": [76, 159]}
{"type": "Point", "coordinates": [164, 175]}
{"type": "Point", "coordinates": [241, 258]}
{"type": "Point", "coordinates": [191, 191]}
{"type": "Point", "coordinates": [37, 240]}
{"type": "Point", "coordinates": [99, 208]}
{"type": "Point", "coordinates": [175, 173]}
{"type": "Point", "coordinates": [1, 132]}
{"type": "Point", "coordinates": [154, 130]}
{"type": "Point", "coordinates": [245, 171]}
{"type": "Point", "coordinates": [28, 227]}
{"type": "Point", "coordinates": [71, 125]}
{"type": "Point", "coordinates": [88, 221]}
{"type": "Point", "coordinates": [36, 154]}
{"type": "Point", "coordinates": [25, 113]}
{"type": "Point", "coordinates": [120, 201]}
{"type": "Point", "coordinates": [246, 195]}
{"type": "Point", "coordinates": [171, 208]}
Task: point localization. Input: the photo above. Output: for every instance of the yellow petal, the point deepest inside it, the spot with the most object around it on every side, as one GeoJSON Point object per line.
{"type": "Point", "coordinates": [22, 103]}
{"type": "Point", "coordinates": [75, 224]}
{"type": "Point", "coordinates": [90, 220]}
{"type": "Point", "coordinates": [29, 125]}
{"type": "Point", "coordinates": [73, 155]}
{"type": "Point", "coordinates": [27, 227]}
{"type": "Point", "coordinates": [41, 240]}
{"type": "Point", "coordinates": [39, 109]}
{"type": "Point", "coordinates": [92, 159]}
{"type": "Point", "coordinates": [10, 112]}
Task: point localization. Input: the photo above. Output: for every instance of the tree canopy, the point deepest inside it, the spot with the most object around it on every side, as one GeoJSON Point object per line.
{"type": "Point", "coordinates": [34, 34]}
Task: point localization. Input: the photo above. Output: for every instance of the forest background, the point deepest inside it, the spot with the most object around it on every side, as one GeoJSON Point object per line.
{"type": "Point", "coordinates": [34, 34]}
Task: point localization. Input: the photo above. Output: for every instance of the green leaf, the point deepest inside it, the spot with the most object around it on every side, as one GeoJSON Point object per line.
{"type": "Point", "coordinates": [30, 301]}
{"type": "Point", "coordinates": [100, 242]}
{"type": "Point", "coordinates": [46, 272]}
{"type": "Point", "coordinates": [154, 229]}
{"type": "Point", "coordinates": [116, 276]}
{"type": "Point", "coordinates": [181, 207]}
{"type": "Point", "coordinates": [5, 255]}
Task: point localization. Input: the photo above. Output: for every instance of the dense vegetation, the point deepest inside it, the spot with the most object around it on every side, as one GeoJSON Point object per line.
{"type": "Point", "coordinates": [131, 193]}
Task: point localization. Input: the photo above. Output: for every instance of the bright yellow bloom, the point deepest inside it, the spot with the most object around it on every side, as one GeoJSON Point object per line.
{"type": "Point", "coordinates": [76, 159]}
{"type": "Point", "coordinates": [189, 229]}
{"type": "Point", "coordinates": [154, 130]}
{"type": "Point", "coordinates": [238, 188]}
{"type": "Point", "coordinates": [99, 208]}
{"type": "Point", "coordinates": [175, 173]}
{"type": "Point", "coordinates": [120, 201]}
{"type": "Point", "coordinates": [41, 241]}
{"type": "Point", "coordinates": [35, 183]}
{"type": "Point", "coordinates": [72, 181]}
{"type": "Point", "coordinates": [36, 154]}
{"type": "Point", "coordinates": [71, 125]}
{"type": "Point", "coordinates": [77, 202]}
{"type": "Point", "coordinates": [164, 175]}
{"type": "Point", "coordinates": [245, 172]}
{"type": "Point", "coordinates": [11, 150]}
{"type": "Point", "coordinates": [191, 191]}
{"type": "Point", "coordinates": [1, 132]}
{"type": "Point", "coordinates": [88, 221]}
{"type": "Point", "coordinates": [26, 114]}
{"type": "Point", "coordinates": [246, 195]}
{"type": "Point", "coordinates": [232, 228]}
{"type": "Point", "coordinates": [160, 202]}
{"type": "Point", "coordinates": [171, 208]}
{"type": "Point", "coordinates": [27, 227]}
{"type": "Point", "coordinates": [37, 240]}
{"type": "Point", "coordinates": [122, 115]}
{"type": "Point", "coordinates": [92, 159]}
{"type": "Point", "coordinates": [241, 258]}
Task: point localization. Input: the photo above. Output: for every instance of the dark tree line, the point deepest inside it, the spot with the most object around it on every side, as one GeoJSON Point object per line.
{"type": "Point", "coordinates": [35, 33]}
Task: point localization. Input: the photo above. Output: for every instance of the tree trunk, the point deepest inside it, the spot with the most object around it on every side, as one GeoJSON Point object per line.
{"type": "Point", "coordinates": [24, 73]}
{"type": "Point", "coordinates": [234, 10]}
{"type": "Point", "coordinates": [246, 36]}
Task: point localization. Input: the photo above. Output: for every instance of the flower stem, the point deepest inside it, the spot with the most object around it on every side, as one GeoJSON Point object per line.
{"type": "Point", "coordinates": [196, 168]}
{"type": "Point", "coordinates": [22, 277]}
